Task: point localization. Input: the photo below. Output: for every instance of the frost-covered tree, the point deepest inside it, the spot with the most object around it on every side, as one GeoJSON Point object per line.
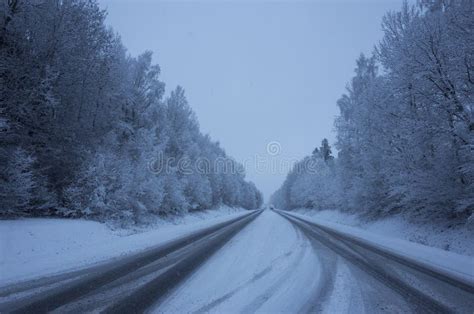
{"type": "Point", "coordinates": [17, 181]}
{"type": "Point", "coordinates": [312, 182]}
{"type": "Point", "coordinates": [405, 134]}
{"type": "Point", "coordinates": [83, 121]}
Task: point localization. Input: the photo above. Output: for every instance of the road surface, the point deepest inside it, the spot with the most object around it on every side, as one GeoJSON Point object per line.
{"type": "Point", "coordinates": [263, 262]}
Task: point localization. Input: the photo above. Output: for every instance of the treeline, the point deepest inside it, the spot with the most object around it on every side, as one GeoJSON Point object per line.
{"type": "Point", "coordinates": [405, 132]}
{"type": "Point", "coordinates": [84, 125]}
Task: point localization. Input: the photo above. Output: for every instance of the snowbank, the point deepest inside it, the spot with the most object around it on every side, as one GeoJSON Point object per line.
{"type": "Point", "coordinates": [32, 248]}
{"type": "Point", "coordinates": [457, 240]}
{"type": "Point", "coordinates": [453, 264]}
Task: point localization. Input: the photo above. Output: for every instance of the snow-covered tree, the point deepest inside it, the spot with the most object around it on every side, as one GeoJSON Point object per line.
{"type": "Point", "coordinates": [82, 120]}
{"type": "Point", "coordinates": [405, 134]}
{"type": "Point", "coordinates": [17, 182]}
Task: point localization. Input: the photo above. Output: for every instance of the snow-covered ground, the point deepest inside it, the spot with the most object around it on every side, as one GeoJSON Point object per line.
{"type": "Point", "coordinates": [272, 265]}
{"type": "Point", "coordinates": [454, 264]}
{"type": "Point", "coordinates": [31, 248]}
{"type": "Point", "coordinates": [458, 240]}
{"type": "Point", "coordinates": [267, 267]}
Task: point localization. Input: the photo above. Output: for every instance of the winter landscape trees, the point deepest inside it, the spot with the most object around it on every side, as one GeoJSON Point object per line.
{"type": "Point", "coordinates": [86, 129]}
{"type": "Point", "coordinates": [405, 133]}
{"type": "Point", "coordinates": [83, 124]}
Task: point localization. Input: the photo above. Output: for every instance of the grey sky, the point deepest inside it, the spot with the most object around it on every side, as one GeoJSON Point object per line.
{"type": "Point", "coordinates": [256, 72]}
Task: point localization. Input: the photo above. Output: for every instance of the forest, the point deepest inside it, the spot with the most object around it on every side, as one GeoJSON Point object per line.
{"type": "Point", "coordinates": [83, 125]}
{"type": "Point", "coordinates": [405, 129]}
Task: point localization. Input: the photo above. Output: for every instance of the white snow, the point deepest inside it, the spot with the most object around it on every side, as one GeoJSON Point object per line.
{"type": "Point", "coordinates": [31, 248]}
{"type": "Point", "coordinates": [453, 264]}
{"type": "Point", "coordinates": [458, 240]}
{"type": "Point", "coordinates": [267, 267]}
{"type": "Point", "coordinates": [345, 296]}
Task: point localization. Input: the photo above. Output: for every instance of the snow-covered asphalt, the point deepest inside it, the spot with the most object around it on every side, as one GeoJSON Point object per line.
{"type": "Point", "coordinates": [270, 266]}
{"type": "Point", "coordinates": [127, 284]}
{"type": "Point", "coordinates": [261, 262]}
{"type": "Point", "coordinates": [277, 264]}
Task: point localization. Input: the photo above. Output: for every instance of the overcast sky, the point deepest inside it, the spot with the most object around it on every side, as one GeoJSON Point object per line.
{"type": "Point", "coordinates": [256, 72]}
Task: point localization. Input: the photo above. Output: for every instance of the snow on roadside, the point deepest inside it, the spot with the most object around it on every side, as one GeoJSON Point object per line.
{"type": "Point", "coordinates": [176, 220]}
{"type": "Point", "coordinates": [457, 240]}
{"type": "Point", "coordinates": [457, 265]}
{"type": "Point", "coordinates": [37, 247]}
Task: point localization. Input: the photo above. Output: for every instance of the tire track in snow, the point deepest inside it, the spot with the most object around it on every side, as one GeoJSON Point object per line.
{"type": "Point", "coordinates": [368, 269]}
{"type": "Point", "coordinates": [269, 267]}
{"type": "Point", "coordinates": [328, 262]}
{"type": "Point", "coordinates": [97, 277]}
{"type": "Point", "coordinates": [255, 278]}
{"type": "Point", "coordinates": [322, 277]}
{"type": "Point", "coordinates": [257, 302]}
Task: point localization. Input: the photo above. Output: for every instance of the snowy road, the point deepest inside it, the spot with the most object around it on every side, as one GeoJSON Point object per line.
{"type": "Point", "coordinates": [128, 284]}
{"type": "Point", "coordinates": [269, 266]}
{"type": "Point", "coordinates": [264, 262]}
{"type": "Point", "coordinates": [287, 265]}
{"type": "Point", "coordinates": [367, 279]}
